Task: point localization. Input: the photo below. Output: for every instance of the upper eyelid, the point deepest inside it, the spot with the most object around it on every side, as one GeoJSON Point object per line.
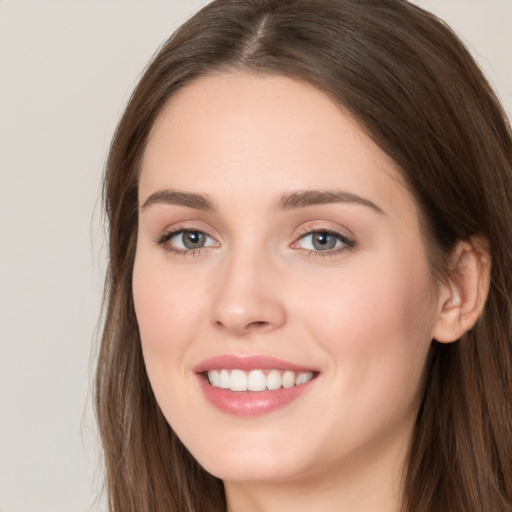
{"type": "Point", "coordinates": [309, 231]}
{"type": "Point", "coordinates": [179, 227]}
{"type": "Point", "coordinates": [305, 232]}
{"type": "Point", "coordinates": [171, 233]}
{"type": "Point", "coordinates": [343, 233]}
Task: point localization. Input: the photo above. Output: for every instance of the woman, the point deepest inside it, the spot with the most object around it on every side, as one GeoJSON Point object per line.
{"type": "Point", "coordinates": [310, 279]}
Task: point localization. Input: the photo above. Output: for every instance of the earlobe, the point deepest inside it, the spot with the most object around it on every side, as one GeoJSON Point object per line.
{"type": "Point", "coordinates": [462, 296]}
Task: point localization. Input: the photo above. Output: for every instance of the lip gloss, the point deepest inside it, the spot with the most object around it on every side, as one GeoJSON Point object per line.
{"type": "Point", "coordinates": [250, 403]}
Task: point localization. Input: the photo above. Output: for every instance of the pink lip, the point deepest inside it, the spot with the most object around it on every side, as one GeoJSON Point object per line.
{"type": "Point", "coordinates": [231, 362]}
{"type": "Point", "coordinates": [249, 403]}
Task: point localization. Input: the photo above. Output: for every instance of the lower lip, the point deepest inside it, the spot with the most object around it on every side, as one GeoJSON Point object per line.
{"type": "Point", "coordinates": [251, 403]}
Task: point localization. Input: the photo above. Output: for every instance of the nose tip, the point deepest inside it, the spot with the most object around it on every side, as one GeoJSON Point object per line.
{"type": "Point", "coordinates": [247, 303]}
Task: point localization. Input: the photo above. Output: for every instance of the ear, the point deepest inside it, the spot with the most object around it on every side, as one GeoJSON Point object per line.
{"type": "Point", "coordinates": [463, 294]}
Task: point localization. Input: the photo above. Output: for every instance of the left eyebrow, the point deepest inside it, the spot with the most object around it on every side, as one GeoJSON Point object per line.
{"type": "Point", "coordinates": [303, 199]}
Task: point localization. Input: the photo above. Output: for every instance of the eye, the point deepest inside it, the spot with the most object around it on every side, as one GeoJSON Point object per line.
{"type": "Point", "coordinates": [186, 240]}
{"type": "Point", "coordinates": [324, 241]}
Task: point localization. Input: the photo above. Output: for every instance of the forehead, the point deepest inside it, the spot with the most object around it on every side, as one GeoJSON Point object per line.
{"type": "Point", "coordinates": [261, 132]}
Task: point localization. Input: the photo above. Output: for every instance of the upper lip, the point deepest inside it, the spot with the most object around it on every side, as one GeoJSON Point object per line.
{"type": "Point", "coordinates": [246, 362]}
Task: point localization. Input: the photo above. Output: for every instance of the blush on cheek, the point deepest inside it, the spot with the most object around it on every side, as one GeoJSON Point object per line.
{"type": "Point", "coordinates": [165, 306]}
{"type": "Point", "coordinates": [382, 328]}
{"type": "Point", "coordinates": [149, 305]}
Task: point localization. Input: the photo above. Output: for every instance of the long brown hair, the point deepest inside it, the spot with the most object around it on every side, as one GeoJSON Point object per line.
{"type": "Point", "coordinates": [418, 93]}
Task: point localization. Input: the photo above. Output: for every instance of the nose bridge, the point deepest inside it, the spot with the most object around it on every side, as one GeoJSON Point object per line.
{"type": "Point", "coordinates": [247, 298]}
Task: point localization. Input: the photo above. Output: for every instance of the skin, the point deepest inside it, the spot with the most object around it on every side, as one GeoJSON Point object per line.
{"type": "Point", "coordinates": [363, 316]}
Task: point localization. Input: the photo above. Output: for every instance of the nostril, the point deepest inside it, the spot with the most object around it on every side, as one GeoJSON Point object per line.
{"type": "Point", "coordinates": [257, 325]}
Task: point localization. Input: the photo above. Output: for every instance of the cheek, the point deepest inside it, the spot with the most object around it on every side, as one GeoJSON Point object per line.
{"type": "Point", "coordinates": [164, 304]}
{"type": "Point", "coordinates": [390, 301]}
{"type": "Point", "coordinates": [167, 311]}
{"type": "Point", "coordinates": [376, 327]}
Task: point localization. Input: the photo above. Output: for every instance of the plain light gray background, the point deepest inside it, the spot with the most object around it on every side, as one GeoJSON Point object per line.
{"type": "Point", "coordinates": [66, 70]}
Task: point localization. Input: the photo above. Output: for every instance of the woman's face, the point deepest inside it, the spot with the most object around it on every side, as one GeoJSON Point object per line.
{"type": "Point", "coordinates": [277, 248]}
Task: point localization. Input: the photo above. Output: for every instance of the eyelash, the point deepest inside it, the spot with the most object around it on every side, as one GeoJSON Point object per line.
{"type": "Point", "coordinates": [348, 243]}
{"type": "Point", "coordinates": [166, 237]}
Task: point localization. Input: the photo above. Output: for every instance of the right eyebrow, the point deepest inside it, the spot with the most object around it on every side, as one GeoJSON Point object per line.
{"type": "Point", "coordinates": [169, 196]}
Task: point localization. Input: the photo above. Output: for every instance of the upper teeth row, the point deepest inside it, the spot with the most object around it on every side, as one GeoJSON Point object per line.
{"type": "Point", "coordinates": [256, 380]}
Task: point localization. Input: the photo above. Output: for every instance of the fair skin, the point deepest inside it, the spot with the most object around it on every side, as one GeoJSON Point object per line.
{"type": "Point", "coordinates": [341, 288]}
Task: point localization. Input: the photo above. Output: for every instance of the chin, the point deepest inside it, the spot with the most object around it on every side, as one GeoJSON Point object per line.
{"type": "Point", "coordinates": [261, 457]}
{"type": "Point", "coordinates": [251, 469]}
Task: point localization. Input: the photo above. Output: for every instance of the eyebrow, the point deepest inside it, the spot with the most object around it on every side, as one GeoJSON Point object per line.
{"type": "Point", "coordinates": [197, 201]}
{"type": "Point", "coordinates": [303, 199]}
{"type": "Point", "coordinates": [290, 201]}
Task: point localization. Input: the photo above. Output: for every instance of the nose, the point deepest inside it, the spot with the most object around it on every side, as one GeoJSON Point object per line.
{"type": "Point", "coordinates": [248, 298]}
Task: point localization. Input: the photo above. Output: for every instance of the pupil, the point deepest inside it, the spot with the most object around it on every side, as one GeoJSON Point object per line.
{"type": "Point", "coordinates": [193, 239]}
{"type": "Point", "coordinates": [324, 241]}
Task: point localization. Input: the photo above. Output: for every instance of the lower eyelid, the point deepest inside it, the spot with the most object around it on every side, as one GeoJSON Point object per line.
{"type": "Point", "coordinates": [192, 253]}
{"type": "Point", "coordinates": [312, 253]}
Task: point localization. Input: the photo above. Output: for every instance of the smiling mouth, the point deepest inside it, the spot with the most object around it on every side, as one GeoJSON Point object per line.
{"type": "Point", "coordinates": [248, 386]}
{"type": "Point", "coordinates": [257, 380]}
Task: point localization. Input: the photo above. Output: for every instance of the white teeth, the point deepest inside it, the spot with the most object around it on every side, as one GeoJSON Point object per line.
{"type": "Point", "coordinates": [257, 380]}
{"type": "Point", "coordinates": [214, 378]}
{"type": "Point", "coordinates": [288, 379]}
{"type": "Point", "coordinates": [238, 381]}
{"type": "Point", "coordinates": [224, 379]}
{"type": "Point", "coordinates": [303, 377]}
{"type": "Point", "coordinates": [274, 380]}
